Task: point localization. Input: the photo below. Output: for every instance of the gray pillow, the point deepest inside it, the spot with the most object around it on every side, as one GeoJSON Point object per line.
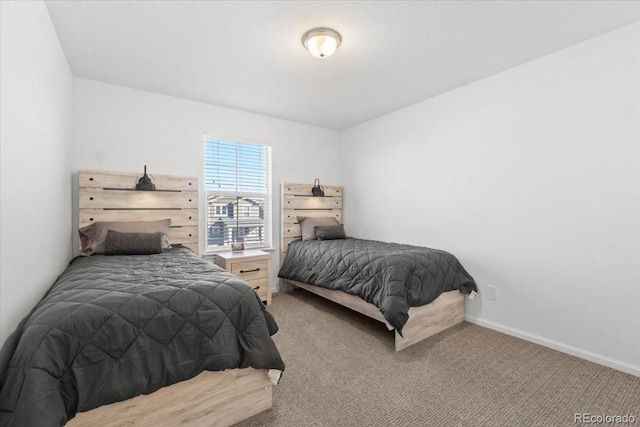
{"type": "Point", "coordinates": [307, 224]}
{"type": "Point", "coordinates": [118, 243]}
{"type": "Point", "coordinates": [329, 232]}
{"type": "Point", "coordinates": [92, 237]}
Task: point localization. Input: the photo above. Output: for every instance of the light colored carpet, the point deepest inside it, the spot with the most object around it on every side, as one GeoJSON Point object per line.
{"type": "Point", "coordinates": [342, 371]}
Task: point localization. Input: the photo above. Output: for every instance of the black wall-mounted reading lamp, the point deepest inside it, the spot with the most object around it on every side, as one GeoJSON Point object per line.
{"type": "Point", "coordinates": [317, 189]}
{"type": "Point", "coordinates": [145, 183]}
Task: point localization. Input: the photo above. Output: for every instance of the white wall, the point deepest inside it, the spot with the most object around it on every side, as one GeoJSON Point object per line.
{"type": "Point", "coordinates": [121, 129]}
{"type": "Point", "coordinates": [35, 206]}
{"type": "Point", "coordinates": [532, 178]}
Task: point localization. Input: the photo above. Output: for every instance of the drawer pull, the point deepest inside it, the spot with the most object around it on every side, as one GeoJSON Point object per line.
{"type": "Point", "coordinates": [249, 271]}
{"type": "Point", "coordinates": [256, 288]}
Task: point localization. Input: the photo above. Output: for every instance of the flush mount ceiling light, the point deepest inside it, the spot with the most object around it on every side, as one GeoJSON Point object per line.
{"type": "Point", "coordinates": [321, 42]}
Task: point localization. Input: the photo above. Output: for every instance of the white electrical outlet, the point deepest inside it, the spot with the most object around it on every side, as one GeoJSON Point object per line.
{"type": "Point", "coordinates": [491, 293]}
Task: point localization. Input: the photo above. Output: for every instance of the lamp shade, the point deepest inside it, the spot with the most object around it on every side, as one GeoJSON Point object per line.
{"type": "Point", "coordinates": [321, 42]}
{"type": "Point", "coordinates": [145, 183]}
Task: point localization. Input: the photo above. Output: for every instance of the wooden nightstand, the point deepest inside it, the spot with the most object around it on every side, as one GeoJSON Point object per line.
{"type": "Point", "coordinates": [252, 266]}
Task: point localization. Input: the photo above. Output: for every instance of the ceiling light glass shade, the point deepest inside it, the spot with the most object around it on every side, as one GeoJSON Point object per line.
{"type": "Point", "coordinates": [321, 42]}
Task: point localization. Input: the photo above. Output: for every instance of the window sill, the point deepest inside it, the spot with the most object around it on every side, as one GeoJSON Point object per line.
{"type": "Point", "coordinates": [213, 252]}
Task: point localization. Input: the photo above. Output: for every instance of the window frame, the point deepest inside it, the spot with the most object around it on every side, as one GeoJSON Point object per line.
{"type": "Point", "coordinates": [267, 195]}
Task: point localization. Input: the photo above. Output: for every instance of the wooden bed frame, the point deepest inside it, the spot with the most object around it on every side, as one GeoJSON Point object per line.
{"type": "Point", "coordinates": [424, 321]}
{"type": "Point", "coordinates": [219, 398]}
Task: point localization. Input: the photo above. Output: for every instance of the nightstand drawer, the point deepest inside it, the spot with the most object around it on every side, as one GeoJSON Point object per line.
{"type": "Point", "coordinates": [252, 266]}
{"type": "Point", "coordinates": [260, 286]}
{"type": "Point", "coordinates": [250, 270]}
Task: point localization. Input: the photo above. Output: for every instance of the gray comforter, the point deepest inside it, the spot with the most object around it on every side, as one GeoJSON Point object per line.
{"type": "Point", "coordinates": [391, 276]}
{"type": "Point", "coordinates": [113, 327]}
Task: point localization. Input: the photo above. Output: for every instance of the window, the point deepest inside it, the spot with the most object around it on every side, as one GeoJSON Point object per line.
{"type": "Point", "coordinates": [238, 188]}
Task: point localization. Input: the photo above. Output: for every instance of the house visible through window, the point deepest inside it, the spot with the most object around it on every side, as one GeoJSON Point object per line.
{"type": "Point", "coordinates": [238, 188]}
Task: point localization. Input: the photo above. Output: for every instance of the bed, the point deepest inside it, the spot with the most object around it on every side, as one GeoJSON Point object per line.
{"type": "Point", "coordinates": [321, 266]}
{"type": "Point", "coordinates": [160, 339]}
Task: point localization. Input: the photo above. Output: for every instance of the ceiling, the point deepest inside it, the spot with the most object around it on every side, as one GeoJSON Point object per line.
{"type": "Point", "coordinates": [249, 55]}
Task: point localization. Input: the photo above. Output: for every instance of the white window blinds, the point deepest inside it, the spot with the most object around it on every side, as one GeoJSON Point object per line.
{"type": "Point", "coordinates": [238, 187]}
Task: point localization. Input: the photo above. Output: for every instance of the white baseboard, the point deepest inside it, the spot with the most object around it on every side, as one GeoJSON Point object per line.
{"type": "Point", "coordinates": [564, 348]}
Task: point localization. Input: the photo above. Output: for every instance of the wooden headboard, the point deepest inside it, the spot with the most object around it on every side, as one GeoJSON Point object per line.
{"type": "Point", "coordinates": [111, 196]}
{"type": "Point", "coordinates": [297, 200]}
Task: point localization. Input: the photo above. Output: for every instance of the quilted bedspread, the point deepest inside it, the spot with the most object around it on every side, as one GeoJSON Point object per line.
{"type": "Point", "coordinates": [391, 276]}
{"type": "Point", "coordinates": [113, 327]}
